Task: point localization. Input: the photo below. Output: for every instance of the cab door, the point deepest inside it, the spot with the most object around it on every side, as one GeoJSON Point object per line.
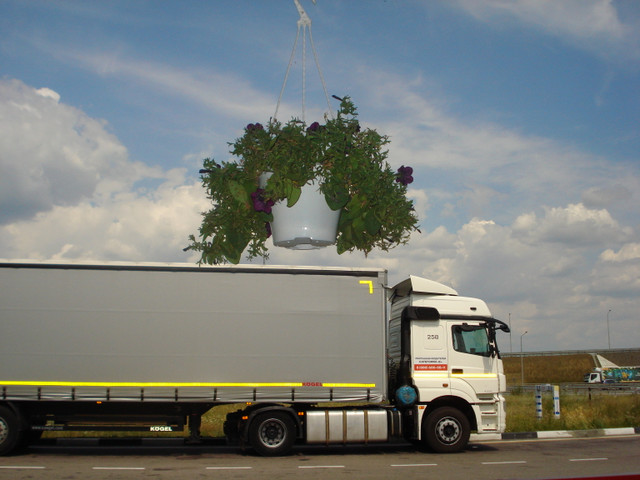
{"type": "Point", "coordinates": [473, 364]}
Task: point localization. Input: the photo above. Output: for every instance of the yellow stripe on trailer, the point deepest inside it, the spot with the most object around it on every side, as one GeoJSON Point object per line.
{"type": "Point", "coordinates": [349, 385]}
{"type": "Point", "coordinates": [184, 384]}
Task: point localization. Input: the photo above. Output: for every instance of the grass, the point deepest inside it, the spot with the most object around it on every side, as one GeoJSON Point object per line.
{"type": "Point", "coordinates": [213, 420]}
{"type": "Point", "coordinates": [553, 369]}
{"type": "Point", "coordinates": [577, 412]}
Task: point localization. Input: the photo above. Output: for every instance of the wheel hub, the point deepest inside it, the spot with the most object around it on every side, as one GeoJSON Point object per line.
{"type": "Point", "coordinates": [272, 433]}
{"type": "Point", "coordinates": [448, 430]}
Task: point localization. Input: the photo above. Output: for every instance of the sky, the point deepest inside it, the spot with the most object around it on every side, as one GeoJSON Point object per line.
{"type": "Point", "coordinates": [521, 120]}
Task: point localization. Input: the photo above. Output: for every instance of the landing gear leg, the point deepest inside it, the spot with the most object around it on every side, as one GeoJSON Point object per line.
{"type": "Point", "coordinates": [195, 420]}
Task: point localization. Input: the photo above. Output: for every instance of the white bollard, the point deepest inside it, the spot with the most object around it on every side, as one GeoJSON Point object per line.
{"type": "Point", "coordinates": [556, 401]}
{"type": "Point", "coordinates": [539, 402]}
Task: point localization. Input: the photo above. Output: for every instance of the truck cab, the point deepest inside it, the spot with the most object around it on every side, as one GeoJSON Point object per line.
{"type": "Point", "coordinates": [593, 377]}
{"type": "Point", "coordinates": [442, 347]}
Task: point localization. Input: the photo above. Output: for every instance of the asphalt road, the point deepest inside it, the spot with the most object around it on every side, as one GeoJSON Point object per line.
{"type": "Point", "coordinates": [537, 459]}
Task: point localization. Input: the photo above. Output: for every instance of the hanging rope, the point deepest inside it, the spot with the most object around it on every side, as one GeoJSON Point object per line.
{"type": "Point", "coordinates": [303, 23]}
{"type": "Point", "coordinates": [304, 68]}
{"type": "Point", "coordinates": [286, 75]}
{"type": "Point", "coordinates": [324, 86]}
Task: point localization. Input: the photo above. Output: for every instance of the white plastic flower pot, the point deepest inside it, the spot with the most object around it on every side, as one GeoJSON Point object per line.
{"type": "Point", "coordinates": [309, 224]}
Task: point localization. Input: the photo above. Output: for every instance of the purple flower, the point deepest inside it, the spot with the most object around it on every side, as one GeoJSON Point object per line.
{"type": "Point", "coordinates": [252, 127]}
{"type": "Point", "coordinates": [314, 127]}
{"type": "Point", "coordinates": [405, 175]}
{"type": "Point", "coordinates": [259, 202]}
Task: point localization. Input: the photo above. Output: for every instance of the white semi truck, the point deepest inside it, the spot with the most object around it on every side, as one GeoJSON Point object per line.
{"type": "Point", "coordinates": [613, 375]}
{"type": "Point", "coordinates": [314, 354]}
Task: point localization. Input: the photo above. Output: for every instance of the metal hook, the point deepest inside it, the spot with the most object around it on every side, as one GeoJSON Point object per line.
{"type": "Point", "coordinates": [304, 18]}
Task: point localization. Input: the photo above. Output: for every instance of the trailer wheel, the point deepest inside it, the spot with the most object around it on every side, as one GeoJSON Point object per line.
{"type": "Point", "coordinates": [272, 434]}
{"type": "Point", "coordinates": [446, 430]}
{"type": "Point", "coordinates": [10, 433]}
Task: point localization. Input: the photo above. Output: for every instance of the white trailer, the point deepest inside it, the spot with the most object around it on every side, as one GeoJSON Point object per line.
{"type": "Point", "coordinates": [153, 347]}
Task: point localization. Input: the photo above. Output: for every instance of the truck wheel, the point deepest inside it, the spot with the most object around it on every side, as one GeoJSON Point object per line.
{"type": "Point", "coordinates": [446, 430]}
{"type": "Point", "coordinates": [272, 434]}
{"type": "Point", "coordinates": [10, 433]}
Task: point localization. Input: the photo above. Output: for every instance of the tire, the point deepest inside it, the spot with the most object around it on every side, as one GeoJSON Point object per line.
{"type": "Point", "coordinates": [272, 434]}
{"type": "Point", "coordinates": [10, 433]}
{"type": "Point", "coordinates": [446, 430]}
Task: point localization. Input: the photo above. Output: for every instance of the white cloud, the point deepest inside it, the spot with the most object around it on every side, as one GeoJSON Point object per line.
{"type": "Point", "coordinates": [617, 273]}
{"type": "Point", "coordinates": [52, 154]}
{"type": "Point", "coordinates": [628, 252]}
{"type": "Point", "coordinates": [48, 93]}
{"type": "Point", "coordinates": [127, 226]}
{"type": "Point", "coordinates": [592, 25]}
{"type": "Point", "coordinates": [606, 196]}
{"type": "Point", "coordinates": [69, 190]}
{"type": "Point", "coordinates": [420, 201]}
{"type": "Point", "coordinates": [574, 224]}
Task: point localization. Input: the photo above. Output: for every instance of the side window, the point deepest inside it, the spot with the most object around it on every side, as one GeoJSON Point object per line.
{"type": "Point", "coordinates": [471, 339]}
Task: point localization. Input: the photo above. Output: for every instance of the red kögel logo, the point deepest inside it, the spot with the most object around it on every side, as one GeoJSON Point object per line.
{"type": "Point", "coordinates": [311, 384]}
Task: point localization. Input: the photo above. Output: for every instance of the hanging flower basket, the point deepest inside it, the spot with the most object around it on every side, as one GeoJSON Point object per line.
{"type": "Point", "coordinates": [342, 162]}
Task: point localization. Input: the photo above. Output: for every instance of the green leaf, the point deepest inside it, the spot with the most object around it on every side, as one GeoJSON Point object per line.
{"type": "Point", "coordinates": [234, 246]}
{"type": "Point", "coordinates": [371, 223]}
{"type": "Point", "coordinates": [345, 219]}
{"type": "Point", "coordinates": [347, 235]}
{"type": "Point", "coordinates": [209, 258]}
{"type": "Point", "coordinates": [230, 253]}
{"type": "Point", "coordinates": [358, 229]}
{"type": "Point", "coordinates": [238, 192]}
{"type": "Point", "coordinates": [337, 198]}
{"type": "Point", "coordinates": [293, 194]}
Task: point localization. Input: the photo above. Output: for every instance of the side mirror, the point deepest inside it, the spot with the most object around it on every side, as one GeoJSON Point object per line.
{"type": "Point", "coordinates": [504, 327]}
{"type": "Point", "coordinates": [500, 325]}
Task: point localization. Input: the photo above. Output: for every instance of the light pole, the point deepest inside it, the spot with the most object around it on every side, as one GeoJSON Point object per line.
{"type": "Point", "coordinates": [522, 360]}
{"type": "Point", "coordinates": [608, 334]}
